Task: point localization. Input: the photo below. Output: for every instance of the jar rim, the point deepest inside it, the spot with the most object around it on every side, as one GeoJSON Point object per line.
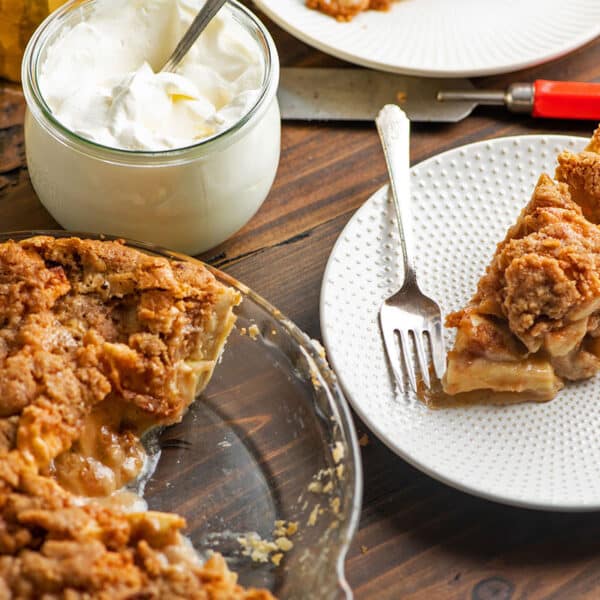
{"type": "Point", "coordinates": [35, 99]}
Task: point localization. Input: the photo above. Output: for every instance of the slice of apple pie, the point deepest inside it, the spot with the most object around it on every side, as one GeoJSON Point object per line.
{"type": "Point", "coordinates": [534, 321]}
{"type": "Point", "coordinates": [98, 343]}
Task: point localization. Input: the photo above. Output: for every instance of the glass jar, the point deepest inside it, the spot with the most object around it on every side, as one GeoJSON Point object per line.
{"type": "Point", "coordinates": [189, 199]}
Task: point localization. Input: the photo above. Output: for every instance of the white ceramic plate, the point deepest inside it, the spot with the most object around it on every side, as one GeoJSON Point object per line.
{"type": "Point", "coordinates": [537, 455]}
{"type": "Point", "coordinates": [445, 38]}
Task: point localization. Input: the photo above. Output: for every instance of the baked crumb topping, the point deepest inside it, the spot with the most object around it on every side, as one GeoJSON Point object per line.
{"type": "Point", "coordinates": [546, 271]}
{"type": "Point", "coordinates": [345, 10]}
{"type": "Point", "coordinates": [98, 343]}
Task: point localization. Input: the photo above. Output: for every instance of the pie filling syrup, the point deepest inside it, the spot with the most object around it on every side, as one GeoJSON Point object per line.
{"type": "Point", "coordinates": [534, 321]}
{"type": "Point", "coordinates": [98, 343]}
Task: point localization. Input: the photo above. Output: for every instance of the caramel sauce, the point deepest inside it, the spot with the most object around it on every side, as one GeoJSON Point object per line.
{"type": "Point", "coordinates": [106, 457]}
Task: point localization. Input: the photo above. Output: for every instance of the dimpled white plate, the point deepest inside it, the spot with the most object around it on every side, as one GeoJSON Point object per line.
{"type": "Point", "coordinates": [444, 38]}
{"type": "Point", "coordinates": [537, 455]}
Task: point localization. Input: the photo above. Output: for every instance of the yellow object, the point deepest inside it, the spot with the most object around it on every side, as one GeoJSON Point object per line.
{"type": "Point", "coordinates": [18, 20]}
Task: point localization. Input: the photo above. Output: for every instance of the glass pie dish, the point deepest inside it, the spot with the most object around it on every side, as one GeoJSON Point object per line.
{"type": "Point", "coordinates": [271, 439]}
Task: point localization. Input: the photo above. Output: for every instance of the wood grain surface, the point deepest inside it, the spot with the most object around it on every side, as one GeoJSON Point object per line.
{"type": "Point", "coordinates": [418, 538]}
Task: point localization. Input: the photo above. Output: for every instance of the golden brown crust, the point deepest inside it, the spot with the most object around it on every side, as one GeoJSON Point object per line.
{"type": "Point", "coordinates": [96, 334]}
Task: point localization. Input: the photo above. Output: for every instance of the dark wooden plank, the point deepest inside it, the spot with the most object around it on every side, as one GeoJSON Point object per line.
{"type": "Point", "coordinates": [418, 539]}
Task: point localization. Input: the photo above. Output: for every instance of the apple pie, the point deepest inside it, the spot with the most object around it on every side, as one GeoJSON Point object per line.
{"type": "Point", "coordinates": [534, 321]}
{"type": "Point", "coordinates": [345, 10]}
{"type": "Point", "coordinates": [99, 342]}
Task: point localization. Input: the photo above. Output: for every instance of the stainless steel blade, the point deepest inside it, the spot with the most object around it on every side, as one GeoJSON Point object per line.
{"type": "Point", "coordinates": [358, 94]}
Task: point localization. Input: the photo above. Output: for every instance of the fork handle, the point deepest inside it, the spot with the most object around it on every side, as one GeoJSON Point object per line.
{"type": "Point", "coordinates": [393, 127]}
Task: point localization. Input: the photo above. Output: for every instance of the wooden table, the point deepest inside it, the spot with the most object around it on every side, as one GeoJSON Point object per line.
{"type": "Point", "coordinates": [418, 538]}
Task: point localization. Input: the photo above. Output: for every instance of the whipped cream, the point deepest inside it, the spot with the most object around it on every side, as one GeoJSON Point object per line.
{"type": "Point", "coordinates": [96, 63]}
{"type": "Point", "coordinates": [100, 77]}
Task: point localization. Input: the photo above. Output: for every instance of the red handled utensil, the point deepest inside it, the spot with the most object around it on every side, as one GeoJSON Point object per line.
{"type": "Point", "coordinates": [359, 94]}
{"type": "Point", "coordinates": [542, 98]}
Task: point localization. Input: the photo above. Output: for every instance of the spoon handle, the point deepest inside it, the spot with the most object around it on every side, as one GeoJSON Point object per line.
{"type": "Point", "coordinates": [202, 19]}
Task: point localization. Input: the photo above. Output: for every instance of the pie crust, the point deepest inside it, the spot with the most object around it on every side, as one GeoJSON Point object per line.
{"type": "Point", "coordinates": [98, 343]}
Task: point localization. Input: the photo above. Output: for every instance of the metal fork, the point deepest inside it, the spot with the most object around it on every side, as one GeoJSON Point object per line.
{"type": "Point", "coordinates": [408, 313]}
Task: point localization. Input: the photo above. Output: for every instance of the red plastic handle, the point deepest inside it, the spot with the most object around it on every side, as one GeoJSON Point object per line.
{"type": "Point", "coordinates": [566, 100]}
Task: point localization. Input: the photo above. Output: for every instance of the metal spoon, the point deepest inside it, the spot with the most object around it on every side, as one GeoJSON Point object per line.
{"type": "Point", "coordinates": [202, 19]}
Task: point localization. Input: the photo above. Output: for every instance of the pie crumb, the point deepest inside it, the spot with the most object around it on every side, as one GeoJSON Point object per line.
{"type": "Point", "coordinates": [338, 452]}
{"type": "Point", "coordinates": [292, 527]}
{"type": "Point", "coordinates": [276, 558]}
{"type": "Point", "coordinates": [345, 10]}
{"type": "Point", "coordinates": [316, 487]}
{"type": "Point", "coordinates": [261, 550]}
{"type": "Point", "coordinates": [256, 548]}
{"type": "Point", "coordinates": [314, 515]}
{"type": "Point", "coordinates": [284, 544]}
{"type": "Point", "coordinates": [335, 505]}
